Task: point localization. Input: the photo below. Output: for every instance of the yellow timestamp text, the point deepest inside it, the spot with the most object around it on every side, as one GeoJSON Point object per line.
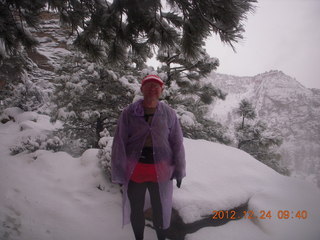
{"type": "Point", "coordinates": [262, 214]}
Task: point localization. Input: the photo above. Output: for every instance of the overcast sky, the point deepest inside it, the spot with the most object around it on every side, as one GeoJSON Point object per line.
{"type": "Point", "coordinates": [281, 35]}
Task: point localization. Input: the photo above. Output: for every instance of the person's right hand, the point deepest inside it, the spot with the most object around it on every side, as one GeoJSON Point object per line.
{"type": "Point", "coordinates": [179, 181]}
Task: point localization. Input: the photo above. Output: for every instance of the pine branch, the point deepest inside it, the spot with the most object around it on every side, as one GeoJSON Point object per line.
{"type": "Point", "coordinates": [206, 19]}
{"type": "Point", "coordinates": [172, 58]}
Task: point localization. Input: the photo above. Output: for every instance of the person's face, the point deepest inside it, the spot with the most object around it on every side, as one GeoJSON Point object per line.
{"type": "Point", "coordinates": [151, 89]}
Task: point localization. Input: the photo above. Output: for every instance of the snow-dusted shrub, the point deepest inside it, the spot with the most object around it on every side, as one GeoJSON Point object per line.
{"type": "Point", "coordinates": [192, 115]}
{"type": "Point", "coordinates": [88, 98]}
{"type": "Point", "coordinates": [54, 144]}
{"type": "Point", "coordinates": [26, 85]}
{"type": "Point", "coordinates": [29, 94]}
{"type": "Point", "coordinates": [29, 144]}
{"type": "Point", "coordinates": [34, 143]}
{"type": "Point", "coordinates": [69, 144]}
{"type": "Point", "coordinates": [262, 144]}
{"type": "Point", "coordinates": [104, 154]}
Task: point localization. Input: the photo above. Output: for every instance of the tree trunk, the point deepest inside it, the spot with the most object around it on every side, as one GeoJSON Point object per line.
{"type": "Point", "coordinates": [99, 128]}
{"type": "Point", "coordinates": [242, 125]}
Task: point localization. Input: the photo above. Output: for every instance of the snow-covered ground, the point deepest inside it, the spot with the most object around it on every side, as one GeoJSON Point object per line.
{"type": "Point", "coordinates": [48, 196]}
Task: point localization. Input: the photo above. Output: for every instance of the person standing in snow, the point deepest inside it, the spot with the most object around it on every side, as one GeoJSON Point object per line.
{"type": "Point", "coordinates": [148, 153]}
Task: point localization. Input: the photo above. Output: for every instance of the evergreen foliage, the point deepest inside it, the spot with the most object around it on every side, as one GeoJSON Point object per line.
{"type": "Point", "coordinates": [191, 99]}
{"type": "Point", "coordinates": [187, 90]}
{"type": "Point", "coordinates": [10, 75]}
{"type": "Point", "coordinates": [176, 65]}
{"type": "Point", "coordinates": [38, 142]}
{"type": "Point", "coordinates": [246, 111]}
{"type": "Point", "coordinates": [15, 18]}
{"type": "Point", "coordinates": [104, 154]}
{"type": "Point", "coordinates": [20, 88]}
{"type": "Point", "coordinates": [111, 28]}
{"type": "Point", "coordinates": [190, 94]}
{"type": "Point", "coordinates": [88, 99]}
{"type": "Point", "coordinates": [257, 140]}
{"type": "Point", "coordinates": [124, 34]}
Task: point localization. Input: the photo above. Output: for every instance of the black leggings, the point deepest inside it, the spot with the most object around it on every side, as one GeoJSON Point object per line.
{"type": "Point", "coordinates": [136, 195]}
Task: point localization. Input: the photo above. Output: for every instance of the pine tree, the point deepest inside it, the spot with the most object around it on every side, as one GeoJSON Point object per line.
{"type": "Point", "coordinates": [189, 93]}
{"type": "Point", "coordinates": [113, 31]}
{"type": "Point", "coordinates": [89, 98]}
{"type": "Point", "coordinates": [85, 93]}
{"type": "Point", "coordinates": [191, 97]}
{"type": "Point", "coordinates": [192, 102]}
{"type": "Point", "coordinates": [246, 111]}
{"type": "Point", "coordinates": [111, 28]}
{"type": "Point", "coordinates": [257, 140]}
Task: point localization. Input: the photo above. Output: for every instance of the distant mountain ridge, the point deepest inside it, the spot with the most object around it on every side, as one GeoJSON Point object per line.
{"type": "Point", "coordinates": [287, 106]}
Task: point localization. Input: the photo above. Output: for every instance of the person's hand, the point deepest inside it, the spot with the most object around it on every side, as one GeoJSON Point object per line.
{"type": "Point", "coordinates": [120, 187]}
{"type": "Point", "coordinates": [179, 181]}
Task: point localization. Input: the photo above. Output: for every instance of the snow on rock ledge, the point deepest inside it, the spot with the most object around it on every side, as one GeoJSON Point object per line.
{"type": "Point", "coordinates": [221, 177]}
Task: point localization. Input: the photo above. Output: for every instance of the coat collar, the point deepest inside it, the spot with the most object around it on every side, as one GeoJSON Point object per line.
{"type": "Point", "coordinates": [137, 108]}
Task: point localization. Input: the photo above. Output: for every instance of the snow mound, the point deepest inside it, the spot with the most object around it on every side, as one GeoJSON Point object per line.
{"type": "Point", "coordinates": [221, 178]}
{"type": "Point", "coordinates": [51, 195]}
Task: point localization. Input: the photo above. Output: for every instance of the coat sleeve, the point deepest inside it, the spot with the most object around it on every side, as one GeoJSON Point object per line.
{"type": "Point", "coordinates": [176, 143]}
{"type": "Point", "coordinates": [118, 154]}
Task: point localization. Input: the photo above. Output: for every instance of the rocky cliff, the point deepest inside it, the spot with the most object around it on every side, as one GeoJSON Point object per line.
{"type": "Point", "coordinates": [287, 106]}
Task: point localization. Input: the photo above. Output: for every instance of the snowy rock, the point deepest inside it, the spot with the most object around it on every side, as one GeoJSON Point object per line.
{"type": "Point", "coordinates": [27, 125]}
{"type": "Point", "coordinates": [11, 113]}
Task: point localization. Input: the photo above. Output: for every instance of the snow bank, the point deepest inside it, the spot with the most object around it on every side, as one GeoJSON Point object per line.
{"type": "Point", "coordinates": [218, 177]}
{"type": "Point", "coordinates": [47, 195]}
{"type": "Point", "coordinates": [221, 178]}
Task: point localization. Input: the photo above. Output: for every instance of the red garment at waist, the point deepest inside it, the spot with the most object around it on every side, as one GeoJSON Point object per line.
{"type": "Point", "coordinates": [144, 172]}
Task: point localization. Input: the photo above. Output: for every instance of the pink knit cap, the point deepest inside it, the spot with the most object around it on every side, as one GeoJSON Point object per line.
{"type": "Point", "coordinates": [153, 78]}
